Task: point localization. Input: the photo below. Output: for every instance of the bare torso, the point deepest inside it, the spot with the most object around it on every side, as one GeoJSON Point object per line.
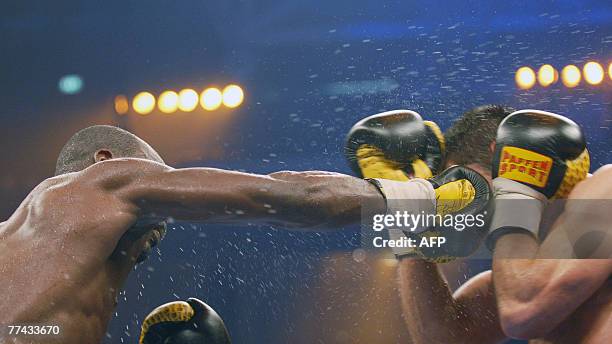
{"type": "Point", "coordinates": [62, 261]}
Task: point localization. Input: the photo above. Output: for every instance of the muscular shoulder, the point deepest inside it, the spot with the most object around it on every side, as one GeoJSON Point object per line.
{"type": "Point", "coordinates": [116, 172]}
{"type": "Point", "coordinates": [597, 186]}
{"type": "Point", "coordinates": [106, 175]}
{"type": "Point", "coordinates": [604, 171]}
{"type": "Point", "coordinates": [476, 286]}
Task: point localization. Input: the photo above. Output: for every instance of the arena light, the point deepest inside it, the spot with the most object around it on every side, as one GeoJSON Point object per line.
{"type": "Point", "coordinates": [610, 70]}
{"type": "Point", "coordinates": [593, 73]}
{"type": "Point", "coordinates": [232, 96]}
{"type": "Point", "coordinates": [70, 84]}
{"type": "Point", "coordinates": [211, 99]}
{"type": "Point", "coordinates": [187, 100]}
{"type": "Point", "coordinates": [168, 102]}
{"type": "Point", "coordinates": [547, 75]}
{"type": "Point", "coordinates": [525, 78]}
{"type": "Point", "coordinates": [570, 75]}
{"type": "Point", "coordinates": [122, 105]}
{"type": "Point", "coordinates": [143, 103]}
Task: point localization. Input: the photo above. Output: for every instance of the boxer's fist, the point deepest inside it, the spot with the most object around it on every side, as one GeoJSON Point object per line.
{"type": "Point", "coordinates": [184, 322]}
{"type": "Point", "coordinates": [390, 144]}
{"type": "Point", "coordinates": [456, 191]}
{"type": "Point", "coordinates": [542, 150]}
{"type": "Point", "coordinates": [459, 190]}
{"type": "Point", "coordinates": [538, 156]}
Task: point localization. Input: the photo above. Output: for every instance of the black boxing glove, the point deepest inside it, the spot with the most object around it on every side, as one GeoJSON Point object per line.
{"type": "Point", "coordinates": [538, 156]}
{"type": "Point", "coordinates": [184, 322]}
{"type": "Point", "coordinates": [390, 143]}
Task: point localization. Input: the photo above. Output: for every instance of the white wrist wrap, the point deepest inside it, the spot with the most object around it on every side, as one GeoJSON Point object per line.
{"type": "Point", "coordinates": [416, 196]}
{"type": "Point", "coordinates": [517, 207]}
{"type": "Point", "coordinates": [416, 188]}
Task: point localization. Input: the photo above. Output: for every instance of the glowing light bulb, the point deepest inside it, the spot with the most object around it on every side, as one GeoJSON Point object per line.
{"type": "Point", "coordinates": [570, 75]}
{"type": "Point", "coordinates": [593, 73]}
{"type": "Point", "coordinates": [525, 78]}
{"type": "Point", "coordinates": [233, 96]}
{"type": "Point", "coordinates": [143, 103]}
{"type": "Point", "coordinates": [211, 99]}
{"type": "Point", "coordinates": [187, 100]}
{"type": "Point", "coordinates": [547, 75]}
{"type": "Point", "coordinates": [121, 105]}
{"type": "Point", "coordinates": [168, 102]}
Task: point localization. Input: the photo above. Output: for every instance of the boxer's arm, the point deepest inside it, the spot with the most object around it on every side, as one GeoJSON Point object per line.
{"type": "Point", "coordinates": [434, 315]}
{"type": "Point", "coordinates": [535, 295]}
{"type": "Point", "coordinates": [292, 199]}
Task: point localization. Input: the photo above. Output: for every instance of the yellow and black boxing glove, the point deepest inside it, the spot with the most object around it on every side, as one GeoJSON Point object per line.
{"type": "Point", "coordinates": [444, 203]}
{"type": "Point", "coordinates": [538, 156]}
{"type": "Point", "coordinates": [184, 322]}
{"type": "Point", "coordinates": [394, 144]}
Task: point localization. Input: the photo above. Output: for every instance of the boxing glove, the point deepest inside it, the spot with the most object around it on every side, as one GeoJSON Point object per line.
{"type": "Point", "coordinates": [184, 322]}
{"type": "Point", "coordinates": [538, 156]}
{"type": "Point", "coordinates": [390, 144]}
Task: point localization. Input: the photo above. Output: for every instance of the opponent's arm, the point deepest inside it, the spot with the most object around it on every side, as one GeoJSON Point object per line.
{"type": "Point", "coordinates": [536, 295]}
{"type": "Point", "coordinates": [434, 315]}
{"type": "Point", "coordinates": [551, 289]}
{"type": "Point", "coordinates": [539, 156]}
{"type": "Point", "coordinates": [291, 199]}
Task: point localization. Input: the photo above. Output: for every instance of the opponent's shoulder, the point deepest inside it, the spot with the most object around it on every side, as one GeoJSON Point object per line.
{"type": "Point", "coordinates": [604, 171]}
{"type": "Point", "coordinates": [597, 186]}
{"type": "Point", "coordinates": [481, 284]}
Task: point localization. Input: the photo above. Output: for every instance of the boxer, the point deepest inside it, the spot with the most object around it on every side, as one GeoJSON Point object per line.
{"type": "Point", "coordinates": [67, 250]}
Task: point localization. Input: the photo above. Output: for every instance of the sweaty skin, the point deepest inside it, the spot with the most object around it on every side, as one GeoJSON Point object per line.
{"type": "Point", "coordinates": [69, 247]}
{"type": "Point", "coordinates": [544, 300]}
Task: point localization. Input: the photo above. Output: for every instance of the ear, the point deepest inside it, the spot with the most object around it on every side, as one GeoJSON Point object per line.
{"type": "Point", "coordinates": [492, 146]}
{"type": "Point", "coordinates": [102, 154]}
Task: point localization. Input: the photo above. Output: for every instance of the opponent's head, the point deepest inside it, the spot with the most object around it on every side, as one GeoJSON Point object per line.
{"type": "Point", "coordinates": [98, 143]}
{"type": "Point", "coordinates": [470, 141]}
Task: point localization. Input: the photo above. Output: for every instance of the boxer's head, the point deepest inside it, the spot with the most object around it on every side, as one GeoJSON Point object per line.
{"type": "Point", "coordinates": [101, 142]}
{"type": "Point", "coordinates": [470, 140]}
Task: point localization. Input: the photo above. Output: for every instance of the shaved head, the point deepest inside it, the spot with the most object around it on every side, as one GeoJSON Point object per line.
{"type": "Point", "coordinates": [80, 150]}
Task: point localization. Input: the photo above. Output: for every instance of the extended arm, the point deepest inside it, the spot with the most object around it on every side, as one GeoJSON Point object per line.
{"type": "Point", "coordinates": [293, 199]}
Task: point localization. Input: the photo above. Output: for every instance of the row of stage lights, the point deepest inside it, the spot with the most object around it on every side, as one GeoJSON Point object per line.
{"type": "Point", "coordinates": [571, 75]}
{"type": "Point", "coordinates": [186, 100]}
